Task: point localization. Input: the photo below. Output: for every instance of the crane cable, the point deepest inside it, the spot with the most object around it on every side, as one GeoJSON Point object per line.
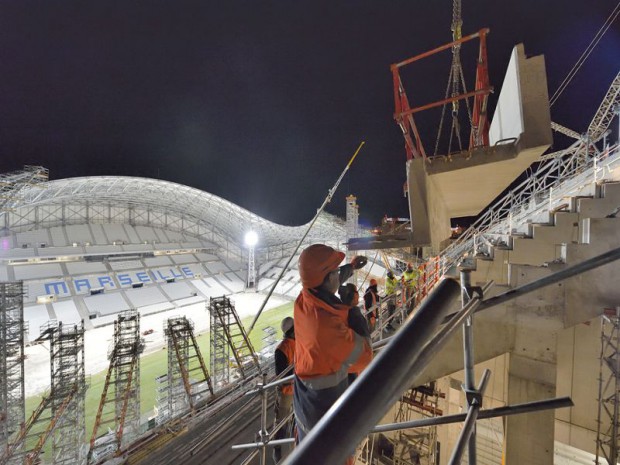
{"type": "Point", "coordinates": [586, 53]}
{"type": "Point", "coordinates": [328, 199]}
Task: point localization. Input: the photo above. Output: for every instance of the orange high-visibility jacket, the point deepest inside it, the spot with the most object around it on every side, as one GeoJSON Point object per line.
{"type": "Point", "coordinates": [287, 347]}
{"type": "Point", "coordinates": [326, 348]}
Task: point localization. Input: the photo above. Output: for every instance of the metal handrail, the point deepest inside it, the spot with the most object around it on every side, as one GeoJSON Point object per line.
{"type": "Point", "coordinates": [553, 179]}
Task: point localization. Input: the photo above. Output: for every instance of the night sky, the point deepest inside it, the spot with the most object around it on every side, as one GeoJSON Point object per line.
{"type": "Point", "coordinates": [262, 102]}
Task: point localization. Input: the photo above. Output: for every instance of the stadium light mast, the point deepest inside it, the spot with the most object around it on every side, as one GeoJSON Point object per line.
{"type": "Point", "coordinates": [251, 239]}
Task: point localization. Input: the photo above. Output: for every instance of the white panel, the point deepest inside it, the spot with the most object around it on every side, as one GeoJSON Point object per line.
{"type": "Point", "coordinates": [145, 296]}
{"type": "Point", "coordinates": [191, 244]}
{"type": "Point", "coordinates": [101, 249]}
{"type": "Point", "coordinates": [203, 288]}
{"type": "Point", "coordinates": [185, 258]}
{"type": "Point", "coordinates": [115, 232]}
{"type": "Point", "coordinates": [48, 270]}
{"type": "Point", "coordinates": [206, 257]}
{"type": "Point", "coordinates": [215, 267]}
{"type": "Point", "coordinates": [106, 303]}
{"type": "Point", "coordinates": [58, 288]}
{"type": "Point", "coordinates": [176, 291]}
{"type": "Point", "coordinates": [234, 265]}
{"type": "Point", "coordinates": [166, 246]}
{"type": "Point", "coordinates": [76, 268]}
{"type": "Point", "coordinates": [161, 236]}
{"type": "Point", "coordinates": [17, 253]}
{"type": "Point", "coordinates": [104, 320]}
{"type": "Point", "coordinates": [131, 233]}
{"type": "Point", "coordinates": [174, 236]}
{"type": "Point", "coordinates": [154, 308]}
{"type": "Point", "coordinates": [67, 312]}
{"type": "Point", "coordinates": [4, 273]}
{"type": "Point", "coordinates": [146, 233]}
{"type": "Point", "coordinates": [265, 284]}
{"type": "Point", "coordinates": [126, 265]}
{"type": "Point", "coordinates": [192, 268]}
{"type": "Point", "coordinates": [157, 261]}
{"type": "Point", "coordinates": [60, 251]}
{"type": "Point", "coordinates": [79, 233]}
{"type": "Point", "coordinates": [190, 301]}
{"type": "Point", "coordinates": [137, 247]}
{"type": "Point", "coordinates": [84, 284]}
{"type": "Point", "coordinates": [58, 236]}
{"type": "Point", "coordinates": [294, 291]}
{"type": "Point", "coordinates": [98, 234]}
{"type": "Point", "coordinates": [234, 283]}
{"type": "Point", "coordinates": [215, 288]}
{"type": "Point", "coordinates": [34, 238]}
{"type": "Point", "coordinates": [508, 117]}
{"type": "Point", "coordinates": [35, 316]}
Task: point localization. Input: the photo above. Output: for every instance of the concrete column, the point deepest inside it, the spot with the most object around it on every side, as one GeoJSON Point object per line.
{"type": "Point", "coordinates": [528, 438]}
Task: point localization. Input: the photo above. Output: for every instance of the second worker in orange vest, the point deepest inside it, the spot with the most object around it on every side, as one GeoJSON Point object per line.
{"type": "Point", "coordinates": [284, 357]}
{"type": "Point", "coordinates": [326, 348]}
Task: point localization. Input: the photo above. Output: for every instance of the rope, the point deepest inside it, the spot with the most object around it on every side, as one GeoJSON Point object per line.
{"type": "Point", "coordinates": [584, 56]}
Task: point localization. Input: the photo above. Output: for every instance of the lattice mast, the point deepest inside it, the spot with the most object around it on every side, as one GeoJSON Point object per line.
{"type": "Point", "coordinates": [11, 361]}
{"type": "Point", "coordinates": [189, 378]}
{"type": "Point", "coordinates": [229, 341]}
{"type": "Point", "coordinates": [119, 407]}
{"type": "Point", "coordinates": [60, 413]}
{"type": "Point", "coordinates": [251, 282]}
{"type": "Point", "coordinates": [608, 430]}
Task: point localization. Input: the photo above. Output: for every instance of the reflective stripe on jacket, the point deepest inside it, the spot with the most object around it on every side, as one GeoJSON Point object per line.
{"type": "Point", "coordinates": [411, 277]}
{"type": "Point", "coordinates": [390, 286]}
{"type": "Point", "coordinates": [326, 348]}
{"type": "Point", "coordinates": [287, 347]}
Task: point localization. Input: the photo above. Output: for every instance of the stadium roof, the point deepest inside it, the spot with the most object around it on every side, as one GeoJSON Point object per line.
{"type": "Point", "coordinates": [187, 202]}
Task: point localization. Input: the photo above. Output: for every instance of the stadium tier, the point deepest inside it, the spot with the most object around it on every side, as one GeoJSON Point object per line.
{"type": "Point", "coordinates": [88, 248]}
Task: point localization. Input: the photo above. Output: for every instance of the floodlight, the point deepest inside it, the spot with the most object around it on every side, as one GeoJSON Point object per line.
{"type": "Point", "coordinates": [251, 238]}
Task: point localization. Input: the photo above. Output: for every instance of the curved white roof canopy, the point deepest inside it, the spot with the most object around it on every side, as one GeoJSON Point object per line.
{"type": "Point", "coordinates": [193, 204]}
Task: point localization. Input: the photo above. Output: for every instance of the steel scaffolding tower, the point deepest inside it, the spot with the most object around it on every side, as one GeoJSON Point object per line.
{"type": "Point", "coordinates": [61, 412]}
{"type": "Point", "coordinates": [119, 406]}
{"type": "Point", "coordinates": [11, 361]}
{"type": "Point", "coordinates": [608, 433]}
{"type": "Point", "coordinates": [418, 446]}
{"type": "Point", "coordinates": [188, 377]}
{"type": "Point", "coordinates": [229, 338]}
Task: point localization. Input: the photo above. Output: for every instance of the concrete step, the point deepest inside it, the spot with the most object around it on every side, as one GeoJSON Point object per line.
{"type": "Point", "coordinates": [601, 207]}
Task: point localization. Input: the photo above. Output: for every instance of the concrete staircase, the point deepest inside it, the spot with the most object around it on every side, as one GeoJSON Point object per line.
{"type": "Point", "coordinates": [581, 230]}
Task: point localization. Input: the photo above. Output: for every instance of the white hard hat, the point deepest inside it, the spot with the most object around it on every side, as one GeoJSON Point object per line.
{"type": "Point", "coordinates": [287, 324]}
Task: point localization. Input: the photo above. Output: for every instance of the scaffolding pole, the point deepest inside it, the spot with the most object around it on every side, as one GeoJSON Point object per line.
{"type": "Point", "coordinates": [119, 407]}
{"type": "Point", "coordinates": [607, 434]}
{"type": "Point", "coordinates": [11, 361]}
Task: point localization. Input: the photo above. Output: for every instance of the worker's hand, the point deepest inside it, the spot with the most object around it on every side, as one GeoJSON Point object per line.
{"type": "Point", "coordinates": [359, 261]}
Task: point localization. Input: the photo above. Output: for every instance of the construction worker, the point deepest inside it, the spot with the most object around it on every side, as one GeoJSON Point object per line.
{"type": "Point", "coordinates": [350, 296]}
{"type": "Point", "coordinates": [326, 347]}
{"type": "Point", "coordinates": [391, 283]}
{"type": "Point", "coordinates": [284, 357]}
{"type": "Point", "coordinates": [371, 301]}
{"type": "Point", "coordinates": [410, 277]}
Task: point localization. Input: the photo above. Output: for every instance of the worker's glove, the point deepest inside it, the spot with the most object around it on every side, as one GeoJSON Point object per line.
{"type": "Point", "coordinates": [359, 261]}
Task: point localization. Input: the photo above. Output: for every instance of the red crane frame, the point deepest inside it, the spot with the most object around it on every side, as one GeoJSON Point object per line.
{"type": "Point", "coordinates": [403, 113]}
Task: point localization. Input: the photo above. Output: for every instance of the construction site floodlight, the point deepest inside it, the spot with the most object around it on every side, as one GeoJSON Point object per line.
{"type": "Point", "coordinates": [251, 239]}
